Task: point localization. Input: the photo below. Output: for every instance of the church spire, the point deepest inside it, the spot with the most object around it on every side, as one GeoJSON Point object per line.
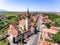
{"type": "Point", "coordinates": [27, 14]}
{"type": "Point", "coordinates": [28, 11]}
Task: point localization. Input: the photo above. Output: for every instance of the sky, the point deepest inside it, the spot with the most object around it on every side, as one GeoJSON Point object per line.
{"type": "Point", "coordinates": [33, 5]}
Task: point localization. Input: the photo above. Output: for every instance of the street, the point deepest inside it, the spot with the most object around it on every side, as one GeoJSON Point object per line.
{"type": "Point", "coordinates": [33, 40]}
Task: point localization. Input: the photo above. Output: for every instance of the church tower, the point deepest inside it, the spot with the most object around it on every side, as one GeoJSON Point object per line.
{"type": "Point", "coordinates": [27, 20]}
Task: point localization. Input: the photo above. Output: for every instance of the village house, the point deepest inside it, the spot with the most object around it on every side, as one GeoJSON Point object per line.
{"type": "Point", "coordinates": [55, 28]}
{"type": "Point", "coordinates": [45, 19]}
{"type": "Point", "coordinates": [48, 33]}
{"type": "Point", "coordinates": [21, 25]}
{"type": "Point", "coordinates": [16, 28]}
{"type": "Point", "coordinates": [35, 17]}
{"type": "Point", "coordinates": [13, 31]}
{"type": "Point", "coordinates": [48, 43]}
{"type": "Point", "coordinates": [32, 27]}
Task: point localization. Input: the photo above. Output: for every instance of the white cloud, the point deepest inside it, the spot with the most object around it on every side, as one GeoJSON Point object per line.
{"type": "Point", "coordinates": [2, 3]}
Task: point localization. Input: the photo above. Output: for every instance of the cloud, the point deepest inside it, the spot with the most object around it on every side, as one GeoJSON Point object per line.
{"type": "Point", "coordinates": [2, 3]}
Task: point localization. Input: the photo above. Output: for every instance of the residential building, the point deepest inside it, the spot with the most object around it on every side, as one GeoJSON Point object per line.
{"type": "Point", "coordinates": [49, 43]}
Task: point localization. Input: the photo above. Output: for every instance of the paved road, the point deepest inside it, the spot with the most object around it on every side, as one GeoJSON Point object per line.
{"type": "Point", "coordinates": [33, 40]}
{"type": "Point", "coordinates": [13, 44]}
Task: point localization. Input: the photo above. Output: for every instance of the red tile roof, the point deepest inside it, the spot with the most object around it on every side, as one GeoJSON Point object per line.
{"type": "Point", "coordinates": [13, 29]}
{"type": "Point", "coordinates": [46, 35]}
{"type": "Point", "coordinates": [14, 24]}
{"type": "Point", "coordinates": [13, 32]}
{"type": "Point", "coordinates": [44, 43]}
{"type": "Point", "coordinates": [46, 31]}
{"type": "Point", "coordinates": [46, 17]}
{"type": "Point", "coordinates": [50, 31]}
{"type": "Point", "coordinates": [22, 22]}
{"type": "Point", "coordinates": [55, 28]}
{"type": "Point", "coordinates": [35, 18]}
{"type": "Point", "coordinates": [47, 43]}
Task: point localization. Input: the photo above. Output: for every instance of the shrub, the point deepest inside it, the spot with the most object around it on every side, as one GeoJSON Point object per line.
{"type": "Point", "coordinates": [47, 25]}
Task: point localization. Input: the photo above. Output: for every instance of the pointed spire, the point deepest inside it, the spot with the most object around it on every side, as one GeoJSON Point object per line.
{"type": "Point", "coordinates": [28, 11]}
{"type": "Point", "coordinates": [27, 14]}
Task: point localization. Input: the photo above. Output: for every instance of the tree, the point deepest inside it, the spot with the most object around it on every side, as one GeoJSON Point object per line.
{"type": "Point", "coordinates": [47, 25]}
{"type": "Point", "coordinates": [56, 37]}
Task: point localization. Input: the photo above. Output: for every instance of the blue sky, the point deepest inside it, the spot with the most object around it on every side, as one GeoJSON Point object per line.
{"type": "Point", "coordinates": [34, 5]}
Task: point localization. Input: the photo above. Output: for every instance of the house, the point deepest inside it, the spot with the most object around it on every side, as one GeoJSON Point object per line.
{"type": "Point", "coordinates": [32, 29]}
{"type": "Point", "coordinates": [13, 31]}
{"type": "Point", "coordinates": [55, 28]}
{"type": "Point", "coordinates": [46, 17]}
{"type": "Point", "coordinates": [49, 43]}
{"type": "Point", "coordinates": [22, 24]}
{"type": "Point", "coordinates": [58, 14]}
{"type": "Point", "coordinates": [35, 18]}
{"type": "Point", "coordinates": [48, 21]}
{"type": "Point", "coordinates": [48, 33]}
{"type": "Point", "coordinates": [16, 28]}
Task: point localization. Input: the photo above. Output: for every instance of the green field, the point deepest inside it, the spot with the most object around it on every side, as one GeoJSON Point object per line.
{"type": "Point", "coordinates": [4, 42]}
{"type": "Point", "coordinates": [4, 25]}
{"type": "Point", "coordinates": [10, 14]}
{"type": "Point", "coordinates": [10, 18]}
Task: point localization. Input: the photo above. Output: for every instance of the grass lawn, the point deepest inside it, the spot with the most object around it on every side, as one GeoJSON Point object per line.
{"type": "Point", "coordinates": [10, 14]}
{"type": "Point", "coordinates": [5, 29]}
{"type": "Point", "coordinates": [11, 20]}
{"type": "Point", "coordinates": [4, 42]}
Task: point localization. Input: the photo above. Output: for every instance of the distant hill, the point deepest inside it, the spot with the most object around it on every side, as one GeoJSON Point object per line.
{"type": "Point", "coordinates": [1, 10]}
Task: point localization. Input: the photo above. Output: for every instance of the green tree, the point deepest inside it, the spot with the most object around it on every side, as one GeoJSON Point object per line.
{"type": "Point", "coordinates": [56, 37]}
{"type": "Point", "coordinates": [47, 25]}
